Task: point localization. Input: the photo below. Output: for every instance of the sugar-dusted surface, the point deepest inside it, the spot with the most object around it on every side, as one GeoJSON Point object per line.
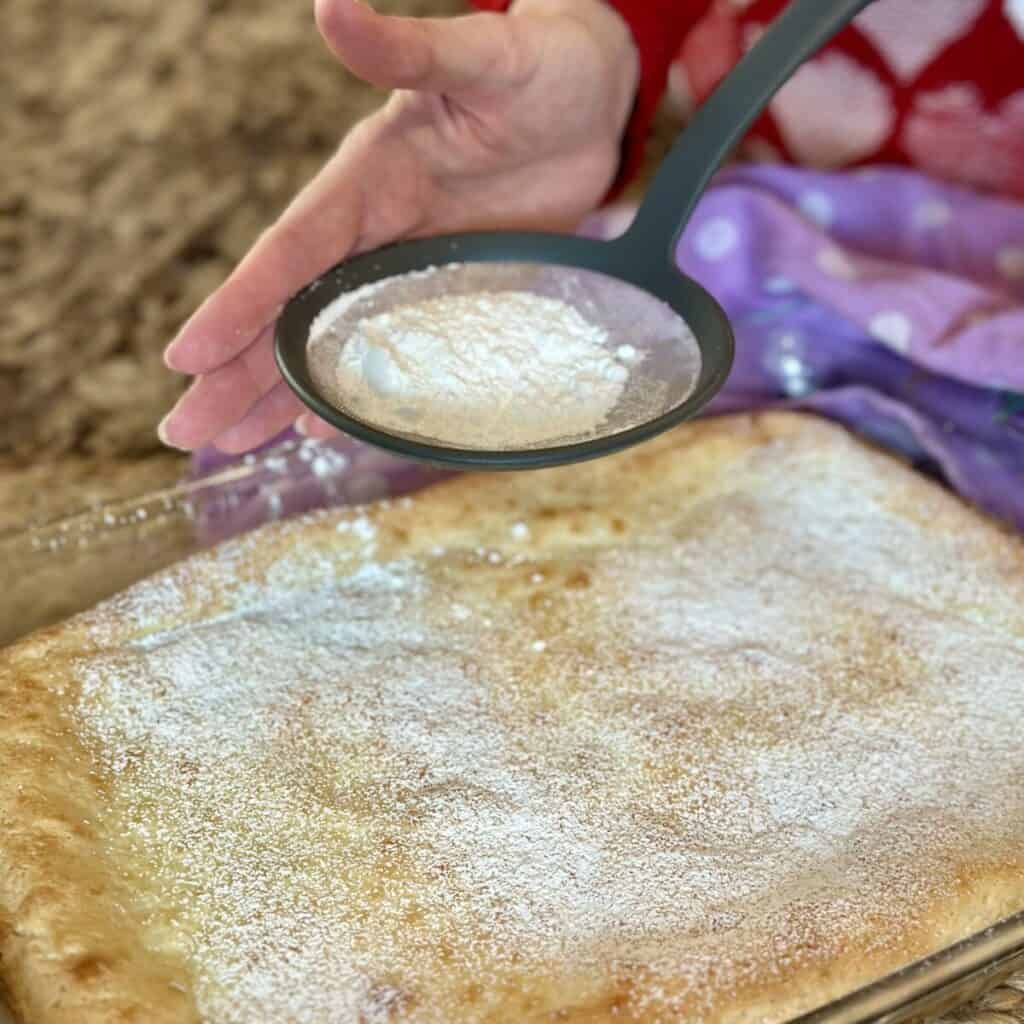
{"type": "Point", "coordinates": [717, 729]}
{"type": "Point", "coordinates": [498, 368]}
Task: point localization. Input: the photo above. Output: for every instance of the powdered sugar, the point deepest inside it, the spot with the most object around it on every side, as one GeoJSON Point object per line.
{"type": "Point", "coordinates": [753, 732]}
{"type": "Point", "coordinates": [502, 369]}
{"type": "Point", "coordinates": [502, 355]}
{"type": "Point", "coordinates": [328, 316]}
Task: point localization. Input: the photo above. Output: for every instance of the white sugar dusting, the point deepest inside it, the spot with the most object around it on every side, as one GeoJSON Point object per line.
{"type": "Point", "coordinates": [777, 723]}
{"type": "Point", "coordinates": [510, 367]}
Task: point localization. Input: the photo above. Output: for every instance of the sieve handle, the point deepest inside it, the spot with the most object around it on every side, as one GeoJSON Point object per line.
{"type": "Point", "coordinates": [718, 126]}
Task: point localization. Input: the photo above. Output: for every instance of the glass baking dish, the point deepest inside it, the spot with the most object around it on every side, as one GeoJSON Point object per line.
{"type": "Point", "coordinates": [54, 569]}
{"type": "Point", "coordinates": [58, 568]}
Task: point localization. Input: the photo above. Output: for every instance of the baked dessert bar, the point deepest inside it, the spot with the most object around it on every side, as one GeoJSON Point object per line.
{"type": "Point", "coordinates": [715, 730]}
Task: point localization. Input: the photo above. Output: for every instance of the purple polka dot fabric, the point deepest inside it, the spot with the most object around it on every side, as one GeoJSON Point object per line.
{"type": "Point", "coordinates": [878, 298]}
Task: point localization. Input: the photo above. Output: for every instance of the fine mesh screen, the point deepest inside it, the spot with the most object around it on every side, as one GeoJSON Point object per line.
{"type": "Point", "coordinates": [641, 333]}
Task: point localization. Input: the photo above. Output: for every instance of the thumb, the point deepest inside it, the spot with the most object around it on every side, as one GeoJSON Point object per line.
{"type": "Point", "coordinates": [440, 55]}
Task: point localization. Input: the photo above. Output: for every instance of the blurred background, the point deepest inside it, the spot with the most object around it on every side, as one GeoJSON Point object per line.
{"type": "Point", "coordinates": [146, 144]}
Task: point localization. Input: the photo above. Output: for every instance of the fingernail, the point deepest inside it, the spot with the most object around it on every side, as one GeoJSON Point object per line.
{"type": "Point", "coordinates": [169, 354]}
{"type": "Point", "coordinates": [161, 432]}
{"type": "Point", "coordinates": [302, 426]}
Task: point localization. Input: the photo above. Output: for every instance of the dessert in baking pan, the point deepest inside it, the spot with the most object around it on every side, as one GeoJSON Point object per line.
{"type": "Point", "coordinates": [715, 730]}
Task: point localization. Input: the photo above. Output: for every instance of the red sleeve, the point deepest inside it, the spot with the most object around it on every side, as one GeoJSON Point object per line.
{"type": "Point", "coordinates": [658, 28]}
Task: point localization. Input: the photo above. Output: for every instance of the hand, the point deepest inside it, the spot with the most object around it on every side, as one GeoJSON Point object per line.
{"type": "Point", "coordinates": [497, 122]}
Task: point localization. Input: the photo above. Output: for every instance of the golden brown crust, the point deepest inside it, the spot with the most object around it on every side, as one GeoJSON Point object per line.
{"type": "Point", "coordinates": [78, 945]}
{"type": "Point", "coordinates": [70, 951]}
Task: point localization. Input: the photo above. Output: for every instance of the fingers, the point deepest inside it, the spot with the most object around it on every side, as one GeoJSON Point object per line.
{"type": "Point", "coordinates": [317, 230]}
{"type": "Point", "coordinates": [449, 55]}
{"type": "Point", "coordinates": [277, 409]}
{"type": "Point", "coordinates": [219, 399]}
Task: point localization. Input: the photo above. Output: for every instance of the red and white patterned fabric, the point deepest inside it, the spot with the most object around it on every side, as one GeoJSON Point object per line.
{"type": "Point", "coordinates": [937, 84]}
